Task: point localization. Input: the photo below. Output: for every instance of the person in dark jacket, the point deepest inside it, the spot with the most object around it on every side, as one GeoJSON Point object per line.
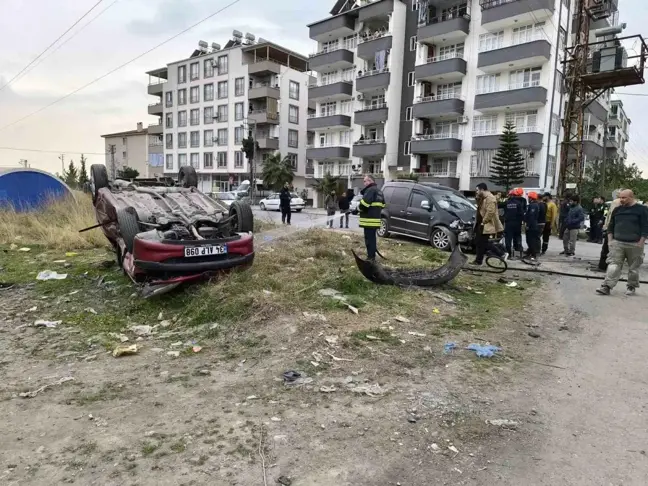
{"type": "Point", "coordinates": [542, 219]}
{"type": "Point", "coordinates": [284, 203]}
{"type": "Point", "coordinates": [573, 223]}
{"type": "Point", "coordinates": [331, 205]}
{"type": "Point", "coordinates": [532, 220]}
{"type": "Point", "coordinates": [344, 203]}
{"type": "Point", "coordinates": [370, 208]}
{"type": "Point", "coordinates": [513, 217]}
{"type": "Point", "coordinates": [565, 206]}
{"type": "Point", "coordinates": [596, 218]}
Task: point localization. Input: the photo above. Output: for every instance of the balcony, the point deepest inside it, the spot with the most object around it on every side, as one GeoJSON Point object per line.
{"type": "Point", "coordinates": [443, 29]}
{"type": "Point", "coordinates": [264, 116]}
{"type": "Point", "coordinates": [333, 27]}
{"type": "Point", "coordinates": [530, 180]}
{"type": "Point", "coordinates": [518, 96]}
{"type": "Point", "coordinates": [268, 142]}
{"type": "Point", "coordinates": [369, 147]}
{"type": "Point", "coordinates": [515, 56]}
{"type": "Point", "coordinates": [263, 90]}
{"type": "Point", "coordinates": [155, 129]}
{"type": "Point", "coordinates": [449, 68]}
{"type": "Point", "coordinates": [497, 14]}
{"type": "Point", "coordinates": [445, 177]}
{"type": "Point", "coordinates": [371, 115]}
{"type": "Point", "coordinates": [330, 151]}
{"type": "Point", "coordinates": [320, 121]}
{"type": "Point", "coordinates": [330, 91]}
{"type": "Point", "coordinates": [529, 137]}
{"type": "Point", "coordinates": [331, 60]}
{"type": "Point", "coordinates": [264, 67]}
{"type": "Point", "coordinates": [310, 171]}
{"type": "Point", "coordinates": [155, 109]}
{"type": "Point", "coordinates": [369, 45]}
{"type": "Point", "coordinates": [375, 9]}
{"type": "Point", "coordinates": [438, 106]}
{"type": "Point", "coordinates": [437, 144]}
{"type": "Point", "coordinates": [597, 110]}
{"type": "Point", "coordinates": [373, 81]}
{"type": "Point", "coordinates": [156, 88]}
{"type": "Point", "coordinates": [592, 146]}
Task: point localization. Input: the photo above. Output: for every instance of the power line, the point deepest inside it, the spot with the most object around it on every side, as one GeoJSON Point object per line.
{"type": "Point", "coordinates": [120, 66]}
{"type": "Point", "coordinates": [631, 94]}
{"type": "Point", "coordinates": [48, 47]}
{"type": "Point", "coordinates": [51, 151]}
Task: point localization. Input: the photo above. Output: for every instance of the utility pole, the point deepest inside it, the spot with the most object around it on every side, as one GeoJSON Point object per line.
{"type": "Point", "coordinates": [604, 158]}
{"type": "Point", "coordinates": [62, 157]}
{"type": "Point", "coordinates": [111, 150]}
{"type": "Point", "coordinates": [24, 163]}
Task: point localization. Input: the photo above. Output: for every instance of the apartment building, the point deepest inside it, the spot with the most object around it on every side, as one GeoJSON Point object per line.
{"type": "Point", "coordinates": [132, 149]}
{"type": "Point", "coordinates": [618, 132]}
{"type": "Point", "coordinates": [208, 103]}
{"type": "Point", "coordinates": [427, 87]}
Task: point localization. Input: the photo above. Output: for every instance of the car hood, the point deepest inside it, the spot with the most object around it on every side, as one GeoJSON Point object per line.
{"type": "Point", "coordinates": [467, 216]}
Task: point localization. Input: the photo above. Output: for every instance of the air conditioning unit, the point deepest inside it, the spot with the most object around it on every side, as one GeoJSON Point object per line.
{"type": "Point", "coordinates": [360, 97]}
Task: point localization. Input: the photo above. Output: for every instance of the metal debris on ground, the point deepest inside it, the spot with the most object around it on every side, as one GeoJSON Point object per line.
{"type": "Point", "coordinates": [42, 323]}
{"type": "Point", "coordinates": [124, 350]}
{"type": "Point", "coordinates": [291, 375]}
{"type": "Point", "coordinates": [484, 350]}
{"type": "Point", "coordinates": [33, 393]}
{"type": "Point", "coordinates": [51, 275]}
{"type": "Point", "coordinates": [449, 347]}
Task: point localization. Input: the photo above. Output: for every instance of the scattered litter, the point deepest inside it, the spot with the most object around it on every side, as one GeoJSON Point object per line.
{"type": "Point", "coordinates": [335, 294]}
{"type": "Point", "coordinates": [512, 284]}
{"type": "Point", "coordinates": [290, 376]}
{"type": "Point", "coordinates": [90, 310]}
{"type": "Point", "coordinates": [449, 347]}
{"type": "Point", "coordinates": [335, 358]}
{"type": "Point", "coordinates": [533, 334]}
{"type": "Point", "coordinates": [309, 315]}
{"type": "Point", "coordinates": [412, 419]}
{"type": "Point", "coordinates": [32, 309]}
{"type": "Point", "coordinates": [168, 323]}
{"type": "Point", "coordinates": [327, 389]}
{"type": "Point", "coordinates": [117, 335]}
{"type": "Point", "coordinates": [483, 351]}
{"type": "Point", "coordinates": [275, 419]}
{"type": "Point", "coordinates": [453, 449]}
{"type": "Point", "coordinates": [332, 340]}
{"type": "Point", "coordinates": [417, 334]}
{"type": "Point", "coordinates": [33, 393]}
{"type": "Point", "coordinates": [372, 338]}
{"type": "Point", "coordinates": [173, 354]}
{"type": "Point", "coordinates": [267, 292]}
{"type": "Point", "coordinates": [160, 316]}
{"type": "Point", "coordinates": [74, 292]}
{"type": "Point", "coordinates": [346, 237]}
{"type": "Point", "coordinates": [317, 356]}
{"type": "Point", "coordinates": [504, 423]}
{"type": "Point", "coordinates": [42, 323]}
{"type": "Point", "coordinates": [480, 293]}
{"type": "Point", "coordinates": [24, 249]}
{"type": "Point", "coordinates": [125, 350]}
{"type": "Point", "coordinates": [436, 311]}
{"type": "Point", "coordinates": [268, 238]}
{"type": "Point", "coordinates": [352, 309]}
{"type": "Point", "coordinates": [443, 297]}
{"type": "Point", "coordinates": [435, 447]}
{"type": "Point", "coordinates": [141, 330]}
{"type": "Point", "coordinates": [50, 275]}
{"type": "Point", "coordinates": [251, 397]}
{"type": "Point", "coordinates": [196, 349]}
{"type": "Point", "coordinates": [284, 481]}
{"type": "Point", "coordinates": [457, 469]}
{"type": "Point", "coordinates": [563, 328]}
{"type": "Point", "coordinates": [13, 246]}
{"type": "Point", "coordinates": [176, 344]}
{"type": "Point", "coordinates": [370, 390]}
{"type": "Point", "coordinates": [402, 319]}
{"type": "Point", "coordinates": [70, 254]}
{"type": "Point", "coordinates": [310, 259]}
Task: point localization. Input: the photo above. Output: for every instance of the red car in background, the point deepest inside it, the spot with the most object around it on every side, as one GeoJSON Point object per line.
{"type": "Point", "coordinates": [166, 232]}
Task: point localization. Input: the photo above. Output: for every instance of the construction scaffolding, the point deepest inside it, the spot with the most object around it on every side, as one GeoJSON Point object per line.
{"type": "Point", "coordinates": [592, 68]}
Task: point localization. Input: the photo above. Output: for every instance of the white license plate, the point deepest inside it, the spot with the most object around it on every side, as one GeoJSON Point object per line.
{"type": "Point", "coordinates": [206, 250]}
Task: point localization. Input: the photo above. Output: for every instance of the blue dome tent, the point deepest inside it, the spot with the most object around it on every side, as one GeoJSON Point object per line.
{"type": "Point", "coordinates": [26, 189]}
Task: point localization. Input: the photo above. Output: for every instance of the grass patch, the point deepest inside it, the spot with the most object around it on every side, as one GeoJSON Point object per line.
{"type": "Point", "coordinates": [178, 447]}
{"type": "Point", "coordinates": [109, 391]}
{"type": "Point", "coordinates": [149, 448]}
{"type": "Point", "coordinates": [374, 335]}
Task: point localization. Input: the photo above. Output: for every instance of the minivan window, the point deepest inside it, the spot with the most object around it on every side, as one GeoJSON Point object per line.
{"type": "Point", "coordinates": [387, 194]}
{"type": "Point", "coordinates": [400, 196]}
{"type": "Point", "coordinates": [417, 199]}
{"type": "Point", "coordinates": [450, 200]}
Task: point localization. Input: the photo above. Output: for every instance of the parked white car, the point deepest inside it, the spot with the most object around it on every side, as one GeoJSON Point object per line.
{"type": "Point", "coordinates": [271, 203]}
{"type": "Point", "coordinates": [227, 198]}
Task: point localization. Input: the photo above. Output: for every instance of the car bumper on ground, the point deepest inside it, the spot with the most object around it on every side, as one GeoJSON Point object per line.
{"type": "Point", "coordinates": [464, 237]}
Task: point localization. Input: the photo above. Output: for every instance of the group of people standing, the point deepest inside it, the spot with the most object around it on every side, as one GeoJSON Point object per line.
{"type": "Point", "coordinates": [342, 203]}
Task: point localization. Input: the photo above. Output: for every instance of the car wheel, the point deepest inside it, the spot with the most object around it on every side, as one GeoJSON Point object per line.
{"type": "Point", "coordinates": [383, 231]}
{"type": "Point", "coordinates": [262, 207]}
{"type": "Point", "coordinates": [187, 177]}
{"type": "Point", "coordinates": [98, 179]}
{"type": "Point", "coordinates": [298, 210]}
{"type": "Point", "coordinates": [128, 227]}
{"type": "Point", "coordinates": [242, 218]}
{"type": "Point", "coordinates": [443, 239]}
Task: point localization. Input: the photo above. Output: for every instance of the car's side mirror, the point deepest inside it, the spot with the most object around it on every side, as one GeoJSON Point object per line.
{"type": "Point", "coordinates": [426, 205]}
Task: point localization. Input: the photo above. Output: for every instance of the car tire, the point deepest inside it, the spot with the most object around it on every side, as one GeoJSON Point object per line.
{"type": "Point", "coordinates": [383, 231]}
{"type": "Point", "coordinates": [243, 221]}
{"type": "Point", "coordinates": [443, 239]}
{"type": "Point", "coordinates": [298, 210]}
{"type": "Point", "coordinates": [187, 177]}
{"type": "Point", "coordinates": [128, 227]}
{"type": "Point", "coordinates": [262, 207]}
{"type": "Point", "coordinates": [98, 179]}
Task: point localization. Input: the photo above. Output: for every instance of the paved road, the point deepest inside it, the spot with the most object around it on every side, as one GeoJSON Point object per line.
{"type": "Point", "coordinates": [305, 219]}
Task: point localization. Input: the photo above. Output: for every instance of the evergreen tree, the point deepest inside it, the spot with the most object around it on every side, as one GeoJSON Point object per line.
{"type": "Point", "coordinates": [128, 173]}
{"type": "Point", "coordinates": [277, 171]}
{"type": "Point", "coordinates": [83, 173]}
{"type": "Point", "coordinates": [71, 175]}
{"type": "Point", "coordinates": [508, 166]}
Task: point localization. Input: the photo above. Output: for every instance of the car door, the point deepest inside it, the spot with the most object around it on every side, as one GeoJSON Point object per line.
{"type": "Point", "coordinates": [397, 207]}
{"type": "Point", "coordinates": [418, 217]}
{"type": "Point", "coordinates": [273, 202]}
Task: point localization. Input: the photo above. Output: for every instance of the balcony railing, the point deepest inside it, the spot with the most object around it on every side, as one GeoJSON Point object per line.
{"type": "Point", "coordinates": [329, 50]}
{"type": "Point", "coordinates": [534, 36]}
{"type": "Point", "coordinates": [597, 139]}
{"type": "Point", "coordinates": [486, 4]}
{"type": "Point", "coordinates": [326, 145]}
{"type": "Point", "coordinates": [485, 133]}
{"type": "Point", "coordinates": [436, 136]}
{"type": "Point", "coordinates": [439, 97]}
{"type": "Point", "coordinates": [374, 35]}
{"type": "Point", "coordinates": [372, 72]}
{"type": "Point", "coordinates": [443, 57]}
{"type": "Point", "coordinates": [155, 143]}
{"type": "Point", "coordinates": [369, 141]}
{"type": "Point", "coordinates": [329, 82]}
{"type": "Point", "coordinates": [526, 129]}
{"type": "Point", "coordinates": [439, 173]}
{"type": "Point", "coordinates": [155, 125]}
{"type": "Point", "coordinates": [375, 106]}
{"type": "Point", "coordinates": [264, 84]}
{"type": "Point", "coordinates": [449, 14]}
{"type": "Point", "coordinates": [510, 87]}
{"type": "Point", "coordinates": [329, 113]}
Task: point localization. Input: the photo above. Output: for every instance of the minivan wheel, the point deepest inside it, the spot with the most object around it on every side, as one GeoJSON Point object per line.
{"type": "Point", "coordinates": [443, 239]}
{"type": "Point", "coordinates": [383, 231]}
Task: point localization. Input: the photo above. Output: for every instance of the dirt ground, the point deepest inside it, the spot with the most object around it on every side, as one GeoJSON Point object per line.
{"type": "Point", "coordinates": [378, 403]}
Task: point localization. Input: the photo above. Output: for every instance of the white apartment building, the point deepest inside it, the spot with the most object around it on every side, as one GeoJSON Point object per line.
{"type": "Point", "coordinates": [618, 132]}
{"type": "Point", "coordinates": [131, 149]}
{"type": "Point", "coordinates": [209, 102]}
{"type": "Point", "coordinates": [428, 86]}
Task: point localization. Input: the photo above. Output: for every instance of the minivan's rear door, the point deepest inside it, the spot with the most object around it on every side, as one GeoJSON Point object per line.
{"type": "Point", "coordinates": [397, 209]}
{"type": "Point", "coordinates": [419, 219]}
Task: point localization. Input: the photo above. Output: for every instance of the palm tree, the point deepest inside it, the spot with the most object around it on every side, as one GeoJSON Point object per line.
{"type": "Point", "coordinates": [277, 171]}
{"type": "Point", "coordinates": [327, 184]}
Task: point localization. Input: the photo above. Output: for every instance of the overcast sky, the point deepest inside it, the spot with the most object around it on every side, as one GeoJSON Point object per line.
{"type": "Point", "coordinates": [129, 27]}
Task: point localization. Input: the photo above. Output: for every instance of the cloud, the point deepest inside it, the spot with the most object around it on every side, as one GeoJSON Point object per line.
{"type": "Point", "coordinates": [170, 16]}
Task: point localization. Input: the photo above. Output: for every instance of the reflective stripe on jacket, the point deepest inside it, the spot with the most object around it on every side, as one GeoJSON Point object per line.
{"type": "Point", "coordinates": [371, 206]}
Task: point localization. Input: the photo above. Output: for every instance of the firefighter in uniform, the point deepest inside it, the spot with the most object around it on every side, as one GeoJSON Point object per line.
{"type": "Point", "coordinates": [370, 207]}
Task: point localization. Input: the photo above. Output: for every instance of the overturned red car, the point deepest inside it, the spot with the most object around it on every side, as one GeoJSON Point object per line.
{"type": "Point", "coordinates": [166, 232]}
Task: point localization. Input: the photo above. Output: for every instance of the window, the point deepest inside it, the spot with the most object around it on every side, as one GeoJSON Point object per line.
{"type": "Point", "coordinates": [293, 114]}
{"type": "Point", "coordinates": [480, 163]}
{"type": "Point", "coordinates": [239, 86]}
{"type": "Point", "coordinates": [182, 160]}
{"type": "Point", "coordinates": [208, 160]}
{"type": "Point", "coordinates": [408, 113]}
{"type": "Point", "coordinates": [238, 111]}
{"type": "Point", "coordinates": [222, 89]}
{"type": "Point", "coordinates": [208, 138]}
{"type": "Point", "coordinates": [489, 42]}
{"type": "Point", "coordinates": [488, 83]}
{"type": "Point", "coordinates": [448, 91]}
{"type": "Point", "coordinates": [524, 121]}
{"type": "Point", "coordinates": [208, 68]}
{"type": "Point", "coordinates": [222, 160]}
{"type": "Point", "coordinates": [293, 138]}
{"type": "Point", "coordinates": [555, 124]}
{"type": "Point", "coordinates": [238, 159]}
{"type": "Point", "coordinates": [124, 155]}
{"type": "Point", "coordinates": [551, 167]}
{"type": "Point", "coordinates": [194, 94]}
{"type": "Point", "coordinates": [407, 148]}
{"type": "Point", "coordinates": [239, 134]}
{"type": "Point", "coordinates": [345, 137]}
{"type": "Point", "coordinates": [400, 196]}
{"type": "Point", "coordinates": [182, 118]}
{"type": "Point", "coordinates": [413, 43]}
{"type": "Point", "coordinates": [484, 125]}
{"type": "Point", "coordinates": [194, 139]}
{"type": "Point", "coordinates": [222, 136]}
{"type": "Point", "coordinates": [182, 140]}
{"type": "Point", "coordinates": [450, 52]}
{"type": "Point", "coordinates": [169, 140]}
{"type": "Point", "coordinates": [169, 162]}
{"type": "Point", "coordinates": [348, 74]}
{"type": "Point", "coordinates": [293, 90]}
{"type": "Point", "coordinates": [208, 115]}
{"type": "Point", "coordinates": [328, 109]}
{"type": "Point", "coordinates": [223, 65]}
{"type": "Point", "coordinates": [410, 79]}
{"type": "Point", "coordinates": [222, 113]}
{"type": "Point", "coordinates": [417, 198]}
{"type": "Point", "coordinates": [415, 4]}
{"type": "Point", "coordinates": [194, 160]}
{"type": "Point", "coordinates": [168, 96]}
{"type": "Point", "coordinates": [194, 117]}
{"type": "Point", "coordinates": [182, 96]}
{"type": "Point", "coordinates": [329, 46]}
{"type": "Point", "coordinates": [292, 158]}
{"type": "Point", "coordinates": [194, 71]}
{"type": "Point", "coordinates": [446, 129]}
{"type": "Point", "coordinates": [182, 74]}
{"type": "Point", "coordinates": [346, 106]}
{"type": "Point", "coordinates": [168, 120]}
{"type": "Point", "coordinates": [350, 42]}
{"type": "Point", "coordinates": [525, 78]}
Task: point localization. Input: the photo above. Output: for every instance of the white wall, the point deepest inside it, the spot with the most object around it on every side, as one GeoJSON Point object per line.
{"type": "Point", "coordinates": [136, 148]}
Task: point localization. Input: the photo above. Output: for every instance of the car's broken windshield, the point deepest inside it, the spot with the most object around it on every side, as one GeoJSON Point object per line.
{"type": "Point", "coordinates": [451, 201]}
